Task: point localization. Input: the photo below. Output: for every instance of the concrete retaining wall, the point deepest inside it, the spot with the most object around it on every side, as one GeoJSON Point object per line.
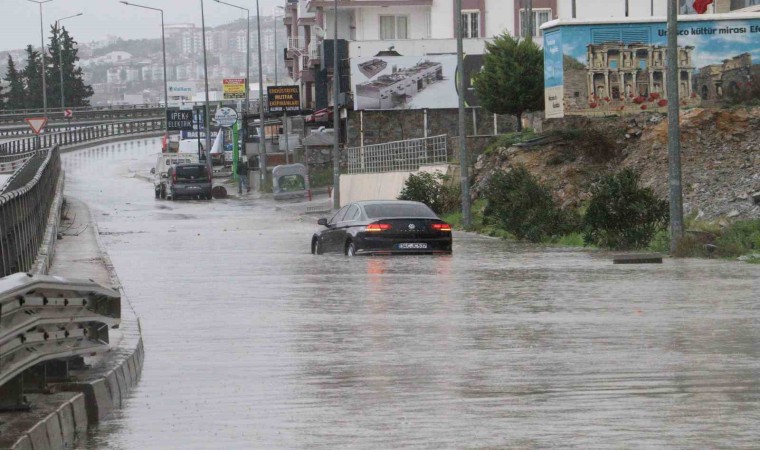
{"type": "Point", "coordinates": [58, 429]}
{"type": "Point", "coordinates": [378, 186]}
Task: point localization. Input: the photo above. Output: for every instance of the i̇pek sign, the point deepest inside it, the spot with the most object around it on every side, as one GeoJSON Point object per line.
{"type": "Point", "coordinates": [179, 119]}
{"type": "Point", "coordinates": [283, 99]}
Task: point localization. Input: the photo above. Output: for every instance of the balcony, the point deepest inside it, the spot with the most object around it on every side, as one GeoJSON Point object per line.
{"type": "Point", "coordinates": [314, 51]}
{"type": "Point", "coordinates": [297, 43]}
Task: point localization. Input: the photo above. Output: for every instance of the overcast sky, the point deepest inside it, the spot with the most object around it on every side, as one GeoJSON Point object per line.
{"type": "Point", "coordinates": [20, 19]}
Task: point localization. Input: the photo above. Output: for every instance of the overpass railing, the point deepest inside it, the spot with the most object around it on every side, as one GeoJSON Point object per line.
{"type": "Point", "coordinates": [47, 318]}
{"type": "Point", "coordinates": [406, 156]}
{"type": "Point", "coordinates": [25, 203]}
{"type": "Point", "coordinates": [83, 134]}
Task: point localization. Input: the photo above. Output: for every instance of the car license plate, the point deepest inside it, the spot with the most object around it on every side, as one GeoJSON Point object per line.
{"type": "Point", "coordinates": [413, 246]}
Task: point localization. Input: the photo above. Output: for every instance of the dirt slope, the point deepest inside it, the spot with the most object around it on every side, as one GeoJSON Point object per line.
{"type": "Point", "coordinates": [720, 158]}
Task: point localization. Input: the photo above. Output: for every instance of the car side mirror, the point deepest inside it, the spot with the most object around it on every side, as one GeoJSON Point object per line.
{"type": "Point", "coordinates": [322, 222]}
{"type": "Point", "coordinates": [153, 170]}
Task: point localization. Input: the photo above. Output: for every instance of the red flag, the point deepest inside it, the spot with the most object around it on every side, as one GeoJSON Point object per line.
{"type": "Point", "coordinates": [701, 5]}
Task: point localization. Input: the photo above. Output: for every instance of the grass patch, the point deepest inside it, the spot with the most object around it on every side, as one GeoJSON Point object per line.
{"type": "Point", "coordinates": [509, 139]}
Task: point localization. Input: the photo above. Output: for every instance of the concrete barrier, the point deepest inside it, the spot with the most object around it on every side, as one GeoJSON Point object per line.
{"type": "Point", "coordinates": [68, 427]}
{"type": "Point", "coordinates": [38, 436]}
{"type": "Point", "coordinates": [378, 186]}
{"type": "Point", "coordinates": [22, 444]}
{"type": "Point", "coordinates": [79, 410]}
{"type": "Point", "coordinates": [53, 429]}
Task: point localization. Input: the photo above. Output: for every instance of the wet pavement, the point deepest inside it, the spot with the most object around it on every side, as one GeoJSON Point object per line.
{"type": "Point", "coordinates": [252, 342]}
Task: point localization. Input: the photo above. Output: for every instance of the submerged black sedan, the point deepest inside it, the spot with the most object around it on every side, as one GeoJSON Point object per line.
{"type": "Point", "coordinates": [383, 227]}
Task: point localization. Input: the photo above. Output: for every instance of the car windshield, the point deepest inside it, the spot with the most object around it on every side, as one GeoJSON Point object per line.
{"type": "Point", "coordinates": [388, 210]}
{"type": "Point", "coordinates": [191, 171]}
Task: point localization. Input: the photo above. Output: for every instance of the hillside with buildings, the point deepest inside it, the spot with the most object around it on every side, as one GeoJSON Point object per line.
{"type": "Point", "coordinates": [131, 71]}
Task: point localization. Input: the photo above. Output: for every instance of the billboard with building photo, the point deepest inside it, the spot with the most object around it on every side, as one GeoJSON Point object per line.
{"type": "Point", "coordinates": [606, 67]}
{"type": "Point", "coordinates": [404, 82]}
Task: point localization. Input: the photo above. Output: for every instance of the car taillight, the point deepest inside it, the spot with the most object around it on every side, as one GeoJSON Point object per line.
{"type": "Point", "coordinates": [374, 227]}
{"type": "Point", "coordinates": [441, 227]}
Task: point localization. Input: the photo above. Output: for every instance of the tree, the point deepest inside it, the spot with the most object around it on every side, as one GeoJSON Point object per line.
{"type": "Point", "coordinates": [520, 204]}
{"type": "Point", "coordinates": [32, 79]}
{"type": "Point", "coordinates": [15, 97]}
{"type": "Point", "coordinates": [623, 215]}
{"type": "Point", "coordinates": [512, 79]}
{"type": "Point", "coordinates": [64, 47]}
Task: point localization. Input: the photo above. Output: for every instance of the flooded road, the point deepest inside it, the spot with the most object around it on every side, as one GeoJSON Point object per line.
{"type": "Point", "coordinates": [252, 342]}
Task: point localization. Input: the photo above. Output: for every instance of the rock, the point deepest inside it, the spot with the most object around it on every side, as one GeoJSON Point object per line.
{"type": "Point", "coordinates": [732, 214]}
{"type": "Point", "coordinates": [750, 257]}
{"type": "Point", "coordinates": [756, 198]}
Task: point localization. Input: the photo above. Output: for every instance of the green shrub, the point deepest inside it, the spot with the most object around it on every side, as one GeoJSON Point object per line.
{"type": "Point", "coordinates": [433, 189]}
{"type": "Point", "coordinates": [742, 237]}
{"type": "Point", "coordinates": [519, 204]}
{"type": "Point", "coordinates": [622, 215]}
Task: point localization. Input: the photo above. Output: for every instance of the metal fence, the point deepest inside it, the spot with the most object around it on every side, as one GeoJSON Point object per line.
{"type": "Point", "coordinates": [83, 134]}
{"type": "Point", "coordinates": [24, 208]}
{"type": "Point", "coordinates": [48, 318]}
{"type": "Point", "coordinates": [406, 156]}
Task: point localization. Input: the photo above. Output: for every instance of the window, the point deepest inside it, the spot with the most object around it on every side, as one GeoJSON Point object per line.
{"type": "Point", "coordinates": [540, 17]}
{"type": "Point", "coordinates": [338, 217]}
{"type": "Point", "coordinates": [391, 210]}
{"type": "Point", "coordinates": [393, 27]}
{"type": "Point", "coordinates": [470, 24]}
{"type": "Point", "coordinates": [352, 214]}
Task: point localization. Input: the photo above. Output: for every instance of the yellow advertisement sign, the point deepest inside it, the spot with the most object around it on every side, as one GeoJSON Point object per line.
{"type": "Point", "coordinates": [233, 88]}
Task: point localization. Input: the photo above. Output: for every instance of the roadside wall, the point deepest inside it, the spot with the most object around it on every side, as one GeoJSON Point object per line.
{"type": "Point", "coordinates": [378, 186]}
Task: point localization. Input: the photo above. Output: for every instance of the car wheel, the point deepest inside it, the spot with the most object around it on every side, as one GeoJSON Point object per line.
{"type": "Point", "coordinates": [351, 249]}
{"type": "Point", "coordinates": [316, 247]}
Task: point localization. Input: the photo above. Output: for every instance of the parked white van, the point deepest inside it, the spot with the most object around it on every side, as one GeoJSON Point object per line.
{"type": "Point", "coordinates": [164, 161]}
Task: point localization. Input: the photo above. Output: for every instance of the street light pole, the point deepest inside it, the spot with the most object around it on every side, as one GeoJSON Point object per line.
{"type": "Point", "coordinates": [263, 134]}
{"type": "Point", "coordinates": [42, 58]}
{"type": "Point", "coordinates": [674, 131]}
{"type": "Point", "coordinates": [463, 158]}
{"type": "Point", "coordinates": [336, 115]}
{"type": "Point", "coordinates": [60, 56]}
{"type": "Point", "coordinates": [163, 48]}
{"type": "Point", "coordinates": [205, 79]}
{"type": "Point", "coordinates": [247, 51]}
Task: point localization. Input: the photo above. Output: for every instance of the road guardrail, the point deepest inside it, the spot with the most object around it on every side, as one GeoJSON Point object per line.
{"type": "Point", "coordinates": [24, 209]}
{"type": "Point", "coordinates": [83, 134]}
{"type": "Point", "coordinates": [46, 318]}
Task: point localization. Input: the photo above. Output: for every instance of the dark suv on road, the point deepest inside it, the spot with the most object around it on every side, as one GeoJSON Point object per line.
{"type": "Point", "coordinates": [189, 180]}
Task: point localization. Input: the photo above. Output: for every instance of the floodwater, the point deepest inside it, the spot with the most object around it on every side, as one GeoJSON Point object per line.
{"type": "Point", "coordinates": [252, 342]}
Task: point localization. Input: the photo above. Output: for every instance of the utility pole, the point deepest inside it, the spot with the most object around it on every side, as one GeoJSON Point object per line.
{"type": "Point", "coordinates": [626, 8]}
{"type": "Point", "coordinates": [42, 58]}
{"type": "Point", "coordinates": [163, 48]}
{"type": "Point", "coordinates": [575, 11]}
{"type": "Point", "coordinates": [263, 134]}
{"type": "Point", "coordinates": [674, 131]}
{"type": "Point", "coordinates": [529, 15]}
{"type": "Point", "coordinates": [336, 115]}
{"type": "Point", "coordinates": [463, 158]}
{"type": "Point", "coordinates": [60, 55]}
{"type": "Point", "coordinates": [207, 112]}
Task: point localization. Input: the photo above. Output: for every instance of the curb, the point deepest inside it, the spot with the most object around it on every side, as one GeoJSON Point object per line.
{"type": "Point", "coordinates": [108, 140]}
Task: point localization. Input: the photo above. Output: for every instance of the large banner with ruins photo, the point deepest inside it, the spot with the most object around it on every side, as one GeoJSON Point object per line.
{"type": "Point", "coordinates": [618, 68]}
{"type": "Point", "coordinates": [404, 82]}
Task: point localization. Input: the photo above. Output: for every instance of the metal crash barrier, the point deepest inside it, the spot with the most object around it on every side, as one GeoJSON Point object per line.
{"type": "Point", "coordinates": [46, 318]}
